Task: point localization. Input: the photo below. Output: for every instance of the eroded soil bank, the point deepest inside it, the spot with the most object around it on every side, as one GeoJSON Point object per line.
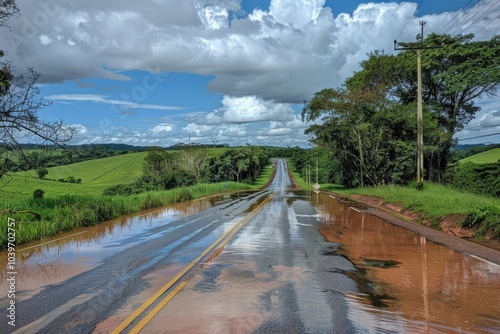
{"type": "Point", "coordinates": [451, 233]}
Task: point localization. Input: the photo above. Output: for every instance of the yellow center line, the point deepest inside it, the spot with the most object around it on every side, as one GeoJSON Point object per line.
{"type": "Point", "coordinates": [167, 286]}
{"type": "Point", "coordinates": [157, 309]}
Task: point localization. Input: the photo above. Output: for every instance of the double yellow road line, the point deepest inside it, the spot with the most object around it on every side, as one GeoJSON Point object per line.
{"type": "Point", "coordinates": [219, 243]}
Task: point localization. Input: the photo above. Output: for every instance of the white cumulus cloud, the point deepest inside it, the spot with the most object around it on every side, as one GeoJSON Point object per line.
{"type": "Point", "coordinates": [249, 109]}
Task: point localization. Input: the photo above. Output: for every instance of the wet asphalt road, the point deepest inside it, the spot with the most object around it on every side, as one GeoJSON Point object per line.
{"type": "Point", "coordinates": [312, 301]}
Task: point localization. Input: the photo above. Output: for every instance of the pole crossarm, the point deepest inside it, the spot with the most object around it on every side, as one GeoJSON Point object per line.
{"type": "Point", "coordinates": [404, 48]}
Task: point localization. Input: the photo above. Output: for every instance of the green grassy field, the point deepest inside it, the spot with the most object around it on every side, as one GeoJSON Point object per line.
{"type": "Point", "coordinates": [483, 157]}
{"type": "Point", "coordinates": [264, 177]}
{"type": "Point", "coordinates": [96, 176]}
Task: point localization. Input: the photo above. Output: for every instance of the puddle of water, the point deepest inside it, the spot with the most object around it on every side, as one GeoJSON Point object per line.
{"type": "Point", "coordinates": [250, 283]}
{"type": "Point", "coordinates": [230, 308]}
{"type": "Point", "coordinates": [55, 260]}
{"type": "Point", "coordinates": [433, 289]}
{"type": "Point", "coordinates": [155, 281]}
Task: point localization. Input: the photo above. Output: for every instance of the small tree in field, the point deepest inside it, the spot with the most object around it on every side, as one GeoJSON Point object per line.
{"type": "Point", "coordinates": [42, 172]}
{"type": "Point", "coordinates": [38, 193]}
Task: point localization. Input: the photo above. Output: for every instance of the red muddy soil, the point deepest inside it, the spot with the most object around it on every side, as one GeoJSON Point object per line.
{"type": "Point", "coordinates": [451, 234]}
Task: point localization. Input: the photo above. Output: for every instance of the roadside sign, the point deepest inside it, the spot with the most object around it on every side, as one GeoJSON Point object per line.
{"type": "Point", "coordinates": [316, 186]}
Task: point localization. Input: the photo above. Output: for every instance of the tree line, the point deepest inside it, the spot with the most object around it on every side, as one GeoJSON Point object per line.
{"type": "Point", "coordinates": [164, 169]}
{"type": "Point", "coordinates": [368, 125]}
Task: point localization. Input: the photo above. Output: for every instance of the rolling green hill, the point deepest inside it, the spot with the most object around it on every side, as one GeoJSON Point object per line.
{"type": "Point", "coordinates": [483, 157]}
{"type": "Point", "coordinates": [96, 176]}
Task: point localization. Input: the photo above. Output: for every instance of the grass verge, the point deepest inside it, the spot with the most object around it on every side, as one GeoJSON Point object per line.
{"type": "Point", "coordinates": [68, 212]}
{"type": "Point", "coordinates": [264, 177]}
{"type": "Point", "coordinates": [436, 201]}
{"type": "Point", "coordinates": [296, 176]}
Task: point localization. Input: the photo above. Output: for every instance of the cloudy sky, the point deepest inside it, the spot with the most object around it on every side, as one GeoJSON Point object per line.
{"type": "Point", "coordinates": [159, 72]}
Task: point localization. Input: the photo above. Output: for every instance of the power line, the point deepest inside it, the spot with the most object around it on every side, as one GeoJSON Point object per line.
{"type": "Point", "coordinates": [464, 11]}
{"type": "Point", "coordinates": [458, 12]}
{"type": "Point", "coordinates": [416, 10]}
{"type": "Point", "coordinates": [487, 11]}
{"type": "Point", "coordinates": [498, 16]}
{"type": "Point", "coordinates": [479, 11]}
{"type": "Point", "coordinates": [480, 126]}
{"type": "Point", "coordinates": [482, 136]}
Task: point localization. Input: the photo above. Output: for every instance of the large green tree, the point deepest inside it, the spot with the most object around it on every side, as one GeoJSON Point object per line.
{"type": "Point", "coordinates": [369, 124]}
{"type": "Point", "coordinates": [456, 71]}
{"type": "Point", "coordinates": [369, 135]}
{"type": "Point", "coordinates": [238, 164]}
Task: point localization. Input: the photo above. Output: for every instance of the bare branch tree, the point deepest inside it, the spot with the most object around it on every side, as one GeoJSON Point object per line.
{"type": "Point", "coordinates": [8, 8]}
{"type": "Point", "coordinates": [19, 121]}
{"type": "Point", "coordinates": [19, 106]}
{"type": "Point", "coordinates": [193, 160]}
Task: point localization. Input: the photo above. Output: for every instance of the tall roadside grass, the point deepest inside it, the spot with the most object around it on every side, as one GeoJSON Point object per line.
{"type": "Point", "coordinates": [67, 212]}
{"type": "Point", "coordinates": [296, 175]}
{"type": "Point", "coordinates": [264, 177]}
{"type": "Point", "coordinates": [436, 201]}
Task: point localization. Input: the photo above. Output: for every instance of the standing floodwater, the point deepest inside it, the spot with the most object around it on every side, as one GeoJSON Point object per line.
{"type": "Point", "coordinates": [302, 263]}
{"type": "Point", "coordinates": [419, 286]}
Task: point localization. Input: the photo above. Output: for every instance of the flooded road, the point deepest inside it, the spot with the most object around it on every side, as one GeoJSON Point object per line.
{"type": "Point", "coordinates": [422, 287]}
{"type": "Point", "coordinates": [305, 263]}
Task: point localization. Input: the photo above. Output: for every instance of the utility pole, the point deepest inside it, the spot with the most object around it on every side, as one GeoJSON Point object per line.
{"type": "Point", "coordinates": [420, 118]}
{"type": "Point", "coordinates": [317, 180]}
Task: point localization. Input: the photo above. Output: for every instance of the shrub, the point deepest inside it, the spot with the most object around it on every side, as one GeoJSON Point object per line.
{"type": "Point", "coordinates": [38, 193]}
{"type": "Point", "coordinates": [42, 172]}
{"type": "Point", "coordinates": [483, 179]}
{"type": "Point", "coordinates": [485, 219]}
{"type": "Point", "coordinates": [119, 189]}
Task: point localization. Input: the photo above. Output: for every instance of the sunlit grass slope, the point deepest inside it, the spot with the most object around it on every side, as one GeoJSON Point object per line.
{"type": "Point", "coordinates": [483, 157]}
{"type": "Point", "coordinates": [96, 176]}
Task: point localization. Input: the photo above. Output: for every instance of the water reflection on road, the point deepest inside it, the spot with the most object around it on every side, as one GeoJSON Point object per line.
{"type": "Point", "coordinates": [430, 288]}
{"type": "Point", "coordinates": [272, 266]}
{"type": "Point", "coordinates": [55, 260]}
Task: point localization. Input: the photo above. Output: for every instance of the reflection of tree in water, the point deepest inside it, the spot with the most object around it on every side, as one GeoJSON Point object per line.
{"type": "Point", "coordinates": [429, 279]}
{"type": "Point", "coordinates": [42, 259]}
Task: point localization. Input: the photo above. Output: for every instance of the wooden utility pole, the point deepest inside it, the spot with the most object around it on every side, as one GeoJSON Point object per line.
{"type": "Point", "coordinates": [317, 170]}
{"type": "Point", "coordinates": [420, 117]}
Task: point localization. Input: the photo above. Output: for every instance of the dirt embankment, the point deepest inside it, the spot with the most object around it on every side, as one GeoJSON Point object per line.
{"type": "Point", "coordinates": [451, 233]}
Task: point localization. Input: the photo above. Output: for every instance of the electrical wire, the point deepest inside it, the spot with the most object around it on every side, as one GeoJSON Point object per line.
{"type": "Point", "coordinates": [458, 12]}
{"type": "Point", "coordinates": [463, 11]}
{"type": "Point", "coordinates": [481, 125]}
{"type": "Point", "coordinates": [482, 136]}
{"type": "Point", "coordinates": [416, 10]}
{"type": "Point", "coordinates": [498, 16]}
{"type": "Point", "coordinates": [454, 32]}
